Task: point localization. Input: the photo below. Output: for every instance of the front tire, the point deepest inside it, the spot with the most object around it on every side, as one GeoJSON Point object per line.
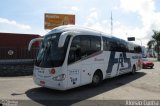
{"type": "Point", "coordinates": [97, 79]}
{"type": "Point", "coordinates": [133, 70]}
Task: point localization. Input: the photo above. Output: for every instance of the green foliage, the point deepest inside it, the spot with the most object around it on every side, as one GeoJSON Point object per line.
{"type": "Point", "coordinates": [155, 42]}
{"type": "Point", "coordinates": [150, 43]}
{"type": "Point", "coordinates": [156, 36]}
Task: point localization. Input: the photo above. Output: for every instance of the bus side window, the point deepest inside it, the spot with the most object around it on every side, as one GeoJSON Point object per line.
{"type": "Point", "coordinates": [106, 45]}
{"type": "Point", "coordinates": [85, 45]}
{"type": "Point", "coordinates": [114, 46]}
{"type": "Point", "coordinates": [95, 44]}
{"type": "Point", "coordinates": [123, 46]}
{"type": "Point", "coordinates": [90, 44]}
{"type": "Point", "coordinates": [137, 49]}
{"type": "Point", "coordinates": [75, 50]}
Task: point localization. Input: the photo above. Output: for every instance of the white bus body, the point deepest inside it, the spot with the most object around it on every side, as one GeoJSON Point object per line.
{"type": "Point", "coordinates": [72, 56]}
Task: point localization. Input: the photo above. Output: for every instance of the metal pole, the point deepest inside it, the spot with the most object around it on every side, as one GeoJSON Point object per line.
{"type": "Point", "coordinates": [111, 24]}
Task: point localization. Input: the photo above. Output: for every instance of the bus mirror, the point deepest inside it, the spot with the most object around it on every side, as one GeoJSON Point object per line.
{"type": "Point", "coordinates": [32, 41]}
{"type": "Point", "coordinates": [62, 39]}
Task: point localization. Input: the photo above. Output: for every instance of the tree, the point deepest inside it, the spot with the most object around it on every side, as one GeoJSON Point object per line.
{"type": "Point", "coordinates": [155, 42]}
{"type": "Point", "coordinates": [150, 43]}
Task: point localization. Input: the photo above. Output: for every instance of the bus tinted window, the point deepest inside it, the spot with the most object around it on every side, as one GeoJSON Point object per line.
{"type": "Point", "coordinates": [90, 44]}
{"type": "Point", "coordinates": [82, 46]}
{"type": "Point", "coordinates": [50, 55]}
{"type": "Point", "coordinates": [85, 45]}
{"type": "Point", "coordinates": [106, 45]}
{"type": "Point", "coordinates": [75, 49]}
{"type": "Point", "coordinates": [133, 48]}
{"type": "Point", "coordinates": [112, 44]}
{"type": "Point", "coordinates": [137, 49]}
{"type": "Point", "coordinates": [123, 46]}
{"type": "Point", "coordinates": [95, 44]}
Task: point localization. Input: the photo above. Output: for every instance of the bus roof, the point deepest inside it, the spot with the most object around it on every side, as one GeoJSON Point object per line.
{"type": "Point", "coordinates": [81, 29]}
{"type": "Point", "coordinates": [74, 28]}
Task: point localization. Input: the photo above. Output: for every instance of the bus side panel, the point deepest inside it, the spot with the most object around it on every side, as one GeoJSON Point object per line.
{"type": "Point", "coordinates": [90, 65]}
{"type": "Point", "coordinates": [74, 75]}
{"type": "Point", "coordinates": [118, 63]}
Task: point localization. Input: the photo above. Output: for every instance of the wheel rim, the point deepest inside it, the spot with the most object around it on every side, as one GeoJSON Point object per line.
{"type": "Point", "coordinates": [96, 79]}
{"type": "Point", "coordinates": [133, 70]}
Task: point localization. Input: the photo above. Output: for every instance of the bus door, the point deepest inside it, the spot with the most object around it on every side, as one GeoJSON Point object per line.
{"type": "Point", "coordinates": [86, 72]}
{"type": "Point", "coordinates": [86, 58]}
{"type": "Point", "coordinates": [79, 72]}
{"type": "Point", "coordinates": [74, 63]}
{"type": "Point", "coordinates": [74, 74]}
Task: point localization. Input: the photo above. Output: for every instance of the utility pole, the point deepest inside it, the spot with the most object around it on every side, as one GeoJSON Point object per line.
{"type": "Point", "coordinates": [111, 24]}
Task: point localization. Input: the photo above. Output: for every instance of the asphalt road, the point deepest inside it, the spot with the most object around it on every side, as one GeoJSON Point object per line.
{"type": "Point", "coordinates": [144, 85]}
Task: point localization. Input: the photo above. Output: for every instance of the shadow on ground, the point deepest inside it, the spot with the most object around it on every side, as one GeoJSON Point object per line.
{"type": "Point", "coordinates": [50, 97]}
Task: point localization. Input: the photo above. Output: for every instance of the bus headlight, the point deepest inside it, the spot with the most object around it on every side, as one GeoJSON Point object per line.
{"type": "Point", "coordinates": [59, 77]}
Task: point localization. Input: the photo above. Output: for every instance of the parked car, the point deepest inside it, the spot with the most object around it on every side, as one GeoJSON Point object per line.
{"type": "Point", "coordinates": [147, 64]}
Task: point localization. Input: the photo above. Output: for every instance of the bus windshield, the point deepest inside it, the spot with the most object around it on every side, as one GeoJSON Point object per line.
{"type": "Point", "coordinates": [50, 55]}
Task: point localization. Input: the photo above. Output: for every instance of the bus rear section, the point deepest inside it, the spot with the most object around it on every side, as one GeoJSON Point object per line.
{"type": "Point", "coordinates": [121, 56]}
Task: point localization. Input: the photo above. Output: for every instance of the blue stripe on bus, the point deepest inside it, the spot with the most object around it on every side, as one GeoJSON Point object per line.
{"type": "Point", "coordinates": [120, 61]}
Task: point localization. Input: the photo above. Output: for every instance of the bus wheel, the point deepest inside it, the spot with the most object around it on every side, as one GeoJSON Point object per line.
{"type": "Point", "coordinates": [97, 78]}
{"type": "Point", "coordinates": [133, 69]}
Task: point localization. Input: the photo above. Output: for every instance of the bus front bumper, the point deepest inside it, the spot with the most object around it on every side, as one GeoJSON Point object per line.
{"type": "Point", "coordinates": [57, 85]}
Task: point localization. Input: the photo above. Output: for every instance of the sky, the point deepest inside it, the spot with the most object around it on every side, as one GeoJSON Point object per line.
{"type": "Point", "coordinates": [136, 18]}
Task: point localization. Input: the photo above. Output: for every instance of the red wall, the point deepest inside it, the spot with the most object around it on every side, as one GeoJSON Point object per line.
{"type": "Point", "coordinates": [18, 43]}
{"type": "Point", "coordinates": [16, 40]}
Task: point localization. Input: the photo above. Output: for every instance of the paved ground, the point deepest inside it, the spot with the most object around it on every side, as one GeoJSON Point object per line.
{"type": "Point", "coordinates": [144, 85]}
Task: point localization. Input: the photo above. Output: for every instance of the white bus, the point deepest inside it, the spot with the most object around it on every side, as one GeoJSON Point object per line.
{"type": "Point", "coordinates": [71, 56]}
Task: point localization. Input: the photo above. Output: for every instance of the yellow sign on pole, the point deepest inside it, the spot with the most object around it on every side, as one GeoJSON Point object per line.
{"type": "Point", "coordinates": [54, 20]}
